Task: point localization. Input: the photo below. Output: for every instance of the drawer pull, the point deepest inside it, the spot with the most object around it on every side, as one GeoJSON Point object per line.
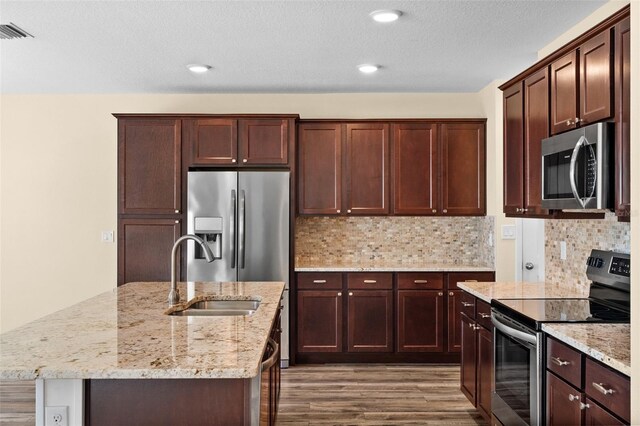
{"type": "Point", "coordinates": [470, 281]}
{"type": "Point", "coordinates": [420, 282]}
{"type": "Point", "coordinates": [370, 281]}
{"type": "Point", "coordinates": [584, 406]}
{"type": "Point", "coordinates": [600, 387]}
{"type": "Point", "coordinates": [483, 315]}
{"type": "Point", "coordinates": [467, 304]}
{"type": "Point", "coordinates": [558, 361]}
{"type": "Point", "coordinates": [319, 281]}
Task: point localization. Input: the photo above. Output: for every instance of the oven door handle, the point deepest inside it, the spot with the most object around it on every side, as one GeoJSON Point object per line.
{"type": "Point", "coordinates": [512, 332]}
{"type": "Point", "coordinates": [572, 169]}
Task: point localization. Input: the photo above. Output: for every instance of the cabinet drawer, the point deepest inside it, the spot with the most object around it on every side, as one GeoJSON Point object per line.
{"type": "Point", "coordinates": [564, 361]}
{"type": "Point", "coordinates": [454, 277]}
{"type": "Point", "coordinates": [370, 280]}
{"type": "Point", "coordinates": [483, 314]}
{"type": "Point", "coordinates": [611, 389]}
{"type": "Point", "coordinates": [468, 304]}
{"type": "Point", "coordinates": [319, 281]}
{"type": "Point", "coordinates": [420, 281]}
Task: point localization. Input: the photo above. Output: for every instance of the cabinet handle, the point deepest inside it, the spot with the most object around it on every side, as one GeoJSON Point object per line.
{"type": "Point", "coordinates": [584, 406]}
{"type": "Point", "coordinates": [558, 361]}
{"type": "Point", "coordinates": [600, 388]}
{"type": "Point", "coordinates": [434, 211]}
{"type": "Point", "coordinates": [467, 304]}
{"type": "Point", "coordinates": [574, 397]}
{"type": "Point", "coordinates": [348, 210]}
{"type": "Point", "coordinates": [440, 293]}
{"type": "Point", "coordinates": [244, 160]}
{"type": "Point", "coordinates": [370, 281]}
{"type": "Point", "coordinates": [420, 282]}
{"type": "Point", "coordinates": [350, 293]}
{"type": "Point", "coordinates": [233, 160]}
{"type": "Point", "coordinates": [450, 293]}
{"type": "Point", "coordinates": [444, 210]}
{"type": "Point", "coordinates": [483, 315]}
{"type": "Point", "coordinates": [339, 293]}
{"type": "Point", "coordinates": [319, 281]}
{"type": "Point", "coordinates": [470, 281]}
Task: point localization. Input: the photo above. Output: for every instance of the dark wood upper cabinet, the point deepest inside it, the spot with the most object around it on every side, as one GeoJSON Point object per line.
{"type": "Point", "coordinates": [623, 121]}
{"type": "Point", "coordinates": [367, 168]}
{"type": "Point", "coordinates": [319, 321]}
{"type": "Point", "coordinates": [213, 140]}
{"type": "Point", "coordinates": [513, 112]}
{"type": "Point", "coordinates": [370, 321]}
{"type": "Point", "coordinates": [264, 141]}
{"type": "Point", "coordinates": [536, 128]}
{"type": "Point", "coordinates": [149, 166]}
{"type": "Point", "coordinates": [415, 168]}
{"type": "Point", "coordinates": [564, 93]}
{"type": "Point", "coordinates": [420, 320]}
{"type": "Point", "coordinates": [320, 168]}
{"type": "Point", "coordinates": [596, 78]}
{"type": "Point", "coordinates": [463, 168]}
{"type": "Point", "coordinates": [144, 249]}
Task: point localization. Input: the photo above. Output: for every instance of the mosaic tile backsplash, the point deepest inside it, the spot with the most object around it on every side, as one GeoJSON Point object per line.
{"type": "Point", "coordinates": [581, 236]}
{"type": "Point", "coordinates": [395, 240]}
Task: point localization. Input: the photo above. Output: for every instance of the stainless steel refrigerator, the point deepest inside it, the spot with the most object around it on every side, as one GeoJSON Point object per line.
{"type": "Point", "coordinates": [244, 218]}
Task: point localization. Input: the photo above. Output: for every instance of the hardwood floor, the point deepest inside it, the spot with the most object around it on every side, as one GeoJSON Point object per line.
{"type": "Point", "coordinates": [362, 394]}
{"type": "Point", "coordinates": [374, 394]}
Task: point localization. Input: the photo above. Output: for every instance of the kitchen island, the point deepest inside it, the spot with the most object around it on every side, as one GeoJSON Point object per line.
{"type": "Point", "coordinates": [85, 351]}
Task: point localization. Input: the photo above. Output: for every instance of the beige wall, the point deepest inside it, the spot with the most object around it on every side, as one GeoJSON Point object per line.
{"type": "Point", "coordinates": [58, 179]}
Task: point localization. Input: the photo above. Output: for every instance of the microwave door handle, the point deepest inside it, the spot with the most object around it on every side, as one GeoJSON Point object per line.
{"type": "Point", "coordinates": [572, 170]}
{"type": "Point", "coordinates": [232, 229]}
{"type": "Point", "coordinates": [512, 332]}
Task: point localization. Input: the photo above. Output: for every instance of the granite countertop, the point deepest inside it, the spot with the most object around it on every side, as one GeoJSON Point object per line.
{"type": "Point", "coordinates": [608, 343]}
{"type": "Point", "coordinates": [395, 267]}
{"type": "Point", "coordinates": [521, 290]}
{"type": "Point", "coordinates": [124, 333]}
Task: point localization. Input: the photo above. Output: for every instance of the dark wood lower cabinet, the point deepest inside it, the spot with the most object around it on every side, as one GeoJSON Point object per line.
{"type": "Point", "coordinates": [454, 339]}
{"type": "Point", "coordinates": [563, 403]}
{"type": "Point", "coordinates": [370, 327]}
{"type": "Point", "coordinates": [485, 371]}
{"type": "Point", "coordinates": [468, 357]}
{"type": "Point", "coordinates": [420, 317]}
{"type": "Point", "coordinates": [319, 321]}
{"type": "Point", "coordinates": [598, 416]}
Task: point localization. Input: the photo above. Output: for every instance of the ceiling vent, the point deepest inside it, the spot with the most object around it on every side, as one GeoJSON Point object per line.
{"type": "Point", "coordinates": [12, 31]}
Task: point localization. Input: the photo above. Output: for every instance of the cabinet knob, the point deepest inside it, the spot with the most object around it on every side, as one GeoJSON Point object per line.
{"type": "Point", "coordinates": [337, 211]}
{"type": "Point", "coordinates": [444, 211]}
{"type": "Point", "coordinates": [177, 211]}
{"type": "Point", "coordinates": [350, 293]}
{"type": "Point", "coordinates": [569, 123]}
{"type": "Point", "coordinates": [440, 293]}
{"type": "Point", "coordinates": [244, 160]}
{"type": "Point", "coordinates": [584, 406]}
{"type": "Point", "coordinates": [450, 293]}
{"type": "Point", "coordinates": [434, 211]}
{"type": "Point", "coordinates": [177, 221]}
{"type": "Point", "coordinates": [577, 120]}
{"type": "Point", "coordinates": [233, 160]}
{"type": "Point", "coordinates": [574, 397]}
{"type": "Point", "coordinates": [339, 293]}
{"type": "Point", "coordinates": [349, 211]}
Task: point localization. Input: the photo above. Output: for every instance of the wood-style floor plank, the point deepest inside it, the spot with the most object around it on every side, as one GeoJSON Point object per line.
{"type": "Point", "coordinates": [17, 403]}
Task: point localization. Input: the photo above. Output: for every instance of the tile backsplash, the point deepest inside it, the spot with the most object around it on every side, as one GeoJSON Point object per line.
{"type": "Point", "coordinates": [395, 240]}
{"type": "Point", "coordinates": [581, 236]}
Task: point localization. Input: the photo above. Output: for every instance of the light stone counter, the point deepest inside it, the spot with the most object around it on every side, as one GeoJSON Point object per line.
{"type": "Point", "coordinates": [608, 343]}
{"type": "Point", "coordinates": [377, 267]}
{"type": "Point", "coordinates": [520, 290]}
{"type": "Point", "coordinates": [124, 333]}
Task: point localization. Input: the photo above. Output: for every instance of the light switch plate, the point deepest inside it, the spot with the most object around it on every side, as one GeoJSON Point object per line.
{"type": "Point", "coordinates": [508, 232]}
{"type": "Point", "coordinates": [106, 236]}
{"type": "Point", "coordinates": [563, 250]}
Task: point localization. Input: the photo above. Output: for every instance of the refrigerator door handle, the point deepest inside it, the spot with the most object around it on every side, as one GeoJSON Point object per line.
{"type": "Point", "coordinates": [232, 229]}
{"type": "Point", "coordinates": [241, 231]}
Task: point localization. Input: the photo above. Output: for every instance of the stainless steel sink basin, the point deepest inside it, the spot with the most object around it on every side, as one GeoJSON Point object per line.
{"type": "Point", "coordinates": [220, 308]}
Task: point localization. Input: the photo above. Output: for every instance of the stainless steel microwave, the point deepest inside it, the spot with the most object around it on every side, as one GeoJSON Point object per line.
{"type": "Point", "coordinates": [577, 169]}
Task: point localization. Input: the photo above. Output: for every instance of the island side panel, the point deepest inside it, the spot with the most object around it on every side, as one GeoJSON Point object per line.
{"type": "Point", "coordinates": [170, 402]}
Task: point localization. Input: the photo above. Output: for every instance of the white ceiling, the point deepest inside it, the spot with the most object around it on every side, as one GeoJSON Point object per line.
{"type": "Point", "coordinates": [275, 46]}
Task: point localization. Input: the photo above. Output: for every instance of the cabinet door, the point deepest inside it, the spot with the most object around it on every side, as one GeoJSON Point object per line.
{"type": "Point", "coordinates": [319, 321]}
{"type": "Point", "coordinates": [320, 168]}
{"type": "Point", "coordinates": [536, 128]}
{"type": "Point", "coordinates": [149, 166]}
{"type": "Point", "coordinates": [468, 358]}
{"type": "Point", "coordinates": [213, 140]}
{"type": "Point", "coordinates": [415, 168]}
{"type": "Point", "coordinates": [144, 249]}
{"type": "Point", "coordinates": [596, 78]}
{"type": "Point", "coordinates": [594, 415]}
{"type": "Point", "coordinates": [370, 321]}
{"type": "Point", "coordinates": [564, 93]}
{"type": "Point", "coordinates": [367, 168]}
{"type": "Point", "coordinates": [454, 314]}
{"type": "Point", "coordinates": [623, 121]}
{"type": "Point", "coordinates": [420, 321]}
{"type": "Point", "coordinates": [485, 372]}
{"type": "Point", "coordinates": [563, 402]}
{"type": "Point", "coordinates": [513, 159]}
{"type": "Point", "coordinates": [463, 169]}
{"type": "Point", "coordinates": [264, 141]}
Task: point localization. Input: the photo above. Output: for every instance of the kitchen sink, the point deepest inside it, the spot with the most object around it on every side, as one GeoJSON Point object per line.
{"type": "Point", "coordinates": [219, 308]}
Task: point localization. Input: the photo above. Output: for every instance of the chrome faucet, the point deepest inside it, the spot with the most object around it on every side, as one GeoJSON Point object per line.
{"type": "Point", "coordinates": [174, 296]}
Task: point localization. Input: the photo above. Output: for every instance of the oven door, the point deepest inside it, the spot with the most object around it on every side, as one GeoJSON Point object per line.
{"type": "Point", "coordinates": [516, 399]}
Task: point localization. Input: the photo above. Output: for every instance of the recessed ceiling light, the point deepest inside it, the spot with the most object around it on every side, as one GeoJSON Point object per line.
{"type": "Point", "coordinates": [368, 68]}
{"type": "Point", "coordinates": [198, 68]}
{"type": "Point", "coordinates": [385, 15]}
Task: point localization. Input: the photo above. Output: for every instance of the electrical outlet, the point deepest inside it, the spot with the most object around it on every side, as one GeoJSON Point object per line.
{"type": "Point", "coordinates": [508, 232]}
{"type": "Point", "coordinates": [56, 416]}
{"type": "Point", "coordinates": [106, 236]}
{"type": "Point", "coordinates": [563, 250]}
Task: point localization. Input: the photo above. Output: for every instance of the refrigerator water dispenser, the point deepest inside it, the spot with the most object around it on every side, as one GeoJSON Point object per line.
{"type": "Point", "coordinates": [210, 230]}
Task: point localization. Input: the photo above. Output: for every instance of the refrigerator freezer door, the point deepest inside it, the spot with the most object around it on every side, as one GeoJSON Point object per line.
{"type": "Point", "coordinates": [263, 226]}
{"type": "Point", "coordinates": [211, 204]}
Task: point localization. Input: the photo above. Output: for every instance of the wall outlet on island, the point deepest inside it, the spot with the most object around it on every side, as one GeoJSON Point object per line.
{"type": "Point", "coordinates": [106, 236]}
{"type": "Point", "coordinates": [563, 250]}
{"type": "Point", "coordinates": [56, 416]}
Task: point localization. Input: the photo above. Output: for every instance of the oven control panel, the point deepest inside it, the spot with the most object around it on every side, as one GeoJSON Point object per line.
{"type": "Point", "coordinates": [610, 268]}
{"type": "Point", "coordinates": [620, 266]}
